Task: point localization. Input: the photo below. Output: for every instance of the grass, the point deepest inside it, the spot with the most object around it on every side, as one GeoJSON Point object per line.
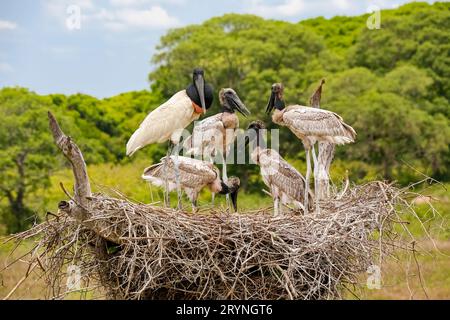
{"type": "Point", "coordinates": [126, 178]}
{"type": "Point", "coordinates": [401, 278]}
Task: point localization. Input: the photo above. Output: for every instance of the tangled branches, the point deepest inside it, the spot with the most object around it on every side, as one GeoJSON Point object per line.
{"type": "Point", "coordinates": [159, 253]}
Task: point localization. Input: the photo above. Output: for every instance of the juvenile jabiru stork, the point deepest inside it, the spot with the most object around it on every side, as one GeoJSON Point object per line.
{"type": "Point", "coordinates": [285, 183]}
{"type": "Point", "coordinates": [217, 133]}
{"type": "Point", "coordinates": [309, 125]}
{"type": "Point", "coordinates": [325, 156]}
{"type": "Point", "coordinates": [167, 122]}
{"type": "Point", "coordinates": [194, 175]}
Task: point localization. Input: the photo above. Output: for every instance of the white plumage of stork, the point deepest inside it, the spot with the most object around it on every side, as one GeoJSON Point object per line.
{"type": "Point", "coordinates": [286, 184]}
{"type": "Point", "coordinates": [216, 134]}
{"type": "Point", "coordinates": [194, 175]}
{"type": "Point", "coordinates": [309, 125]}
{"type": "Point", "coordinates": [167, 122]}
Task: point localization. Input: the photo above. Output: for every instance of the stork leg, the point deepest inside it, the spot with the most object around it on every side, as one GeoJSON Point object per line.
{"type": "Point", "coordinates": [315, 168]}
{"type": "Point", "coordinates": [307, 178]}
{"type": "Point", "coordinates": [194, 205]}
{"type": "Point", "coordinates": [193, 196]}
{"type": "Point", "coordinates": [225, 179]}
{"type": "Point", "coordinates": [316, 174]}
{"type": "Point", "coordinates": [213, 194]}
{"type": "Point", "coordinates": [177, 177]}
{"type": "Point", "coordinates": [276, 206]}
{"type": "Point", "coordinates": [166, 178]}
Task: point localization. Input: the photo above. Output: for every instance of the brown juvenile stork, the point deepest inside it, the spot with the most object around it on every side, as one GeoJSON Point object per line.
{"type": "Point", "coordinates": [217, 133]}
{"type": "Point", "coordinates": [309, 125]}
{"type": "Point", "coordinates": [325, 156]}
{"type": "Point", "coordinates": [167, 122]}
{"type": "Point", "coordinates": [286, 184]}
{"type": "Point", "coordinates": [194, 175]}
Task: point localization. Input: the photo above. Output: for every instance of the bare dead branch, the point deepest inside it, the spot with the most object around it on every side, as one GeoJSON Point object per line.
{"type": "Point", "coordinates": [74, 155]}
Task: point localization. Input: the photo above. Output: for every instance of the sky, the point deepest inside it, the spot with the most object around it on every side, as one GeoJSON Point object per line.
{"type": "Point", "coordinates": [107, 51]}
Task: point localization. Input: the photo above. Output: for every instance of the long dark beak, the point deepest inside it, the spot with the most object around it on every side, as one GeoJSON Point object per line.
{"type": "Point", "coordinates": [235, 102]}
{"type": "Point", "coordinates": [271, 103]}
{"type": "Point", "coordinates": [234, 196]}
{"type": "Point", "coordinates": [200, 85]}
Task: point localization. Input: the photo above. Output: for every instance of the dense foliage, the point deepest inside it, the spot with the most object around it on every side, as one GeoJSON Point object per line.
{"type": "Point", "coordinates": [392, 85]}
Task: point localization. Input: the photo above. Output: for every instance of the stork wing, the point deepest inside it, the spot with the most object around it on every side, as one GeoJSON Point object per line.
{"type": "Point", "coordinates": [194, 174]}
{"type": "Point", "coordinates": [281, 174]}
{"type": "Point", "coordinates": [207, 135]}
{"type": "Point", "coordinates": [318, 122]}
{"type": "Point", "coordinates": [160, 124]}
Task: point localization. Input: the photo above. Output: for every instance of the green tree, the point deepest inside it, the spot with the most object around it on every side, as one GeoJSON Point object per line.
{"type": "Point", "coordinates": [26, 156]}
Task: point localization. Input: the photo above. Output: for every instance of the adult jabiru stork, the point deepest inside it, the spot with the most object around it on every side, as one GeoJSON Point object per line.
{"type": "Point", "coordinates": [285, 183]}
{"type": "Point", "coordinates": [194, 175]}
{"type": "Point", "coordinates": [217, 133]}
{"type": "Point", "coordinates": [309, 125]}
{"type": "Point", "coordinates": [167, 122]}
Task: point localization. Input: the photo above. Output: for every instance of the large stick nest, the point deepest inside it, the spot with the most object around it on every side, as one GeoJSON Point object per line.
{"type": "Point", "coordinates": [164, 254]}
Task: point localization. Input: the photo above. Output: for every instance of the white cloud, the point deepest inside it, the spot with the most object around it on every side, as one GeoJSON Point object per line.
{"type": "Point", "coordinates": [58, 8]}
{"type": "Point", "coordinates": [126, 18]}
{"type": "Point", "coordinates": [5, 68]}
{"type": "Point", "coordinates": [341, 4]}
{"type": "Point", "coordinates": [128, 3]}
{"type": "Point", "coordinates": [155, 17]}
{"type": "Point", "coordinates": [119, 16]}
{"type": "Point", "coordinates": [7, 25]}
{"type": "Point", "coordinates": [136, 3]}
{"type": "Point", "coordinates": [284, 9]}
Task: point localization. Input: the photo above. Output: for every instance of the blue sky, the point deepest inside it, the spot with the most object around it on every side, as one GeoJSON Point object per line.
{"type": "Point", "coordinates": [110, 53]}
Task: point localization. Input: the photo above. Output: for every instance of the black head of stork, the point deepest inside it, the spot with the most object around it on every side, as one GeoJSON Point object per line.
{"type": "Point", "coordinates": [254, 131]}
{"type": "Point", "coordinates": [232, 188]}
{"type": "Point", "coordinates": [200, 92]}
{"type": "Point", "coordinates": [276, 98]}
{"type": "Point", "coordinates": [230, 102]}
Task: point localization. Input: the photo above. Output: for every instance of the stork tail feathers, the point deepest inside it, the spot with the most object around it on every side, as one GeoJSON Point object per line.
{"type": "Point", "coordinates": [154, 174]}
{"type": "Point", "coordinates": [134, 144]}
{"type": "Point", "coordinates": [351, 131]}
